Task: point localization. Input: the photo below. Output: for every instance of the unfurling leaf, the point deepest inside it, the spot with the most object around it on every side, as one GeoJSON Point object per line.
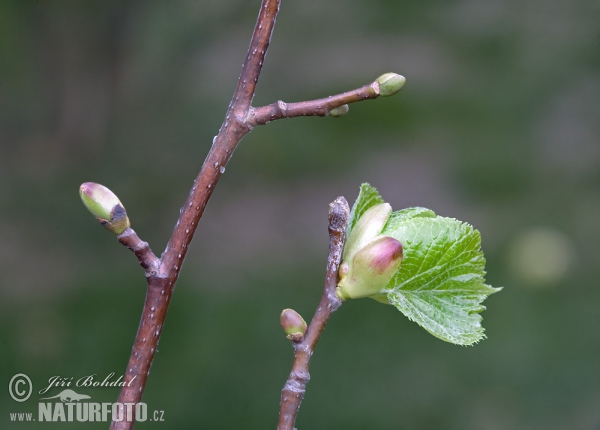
{"type": "Point", "coordinates": [440, 282]}
{"type": "Point", "coordinates": [367, 197]}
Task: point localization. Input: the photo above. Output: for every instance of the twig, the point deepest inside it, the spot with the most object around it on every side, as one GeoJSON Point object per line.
{"type": "Point", "coordinates": [295, 387]}
{"type": "Point", "coordinates": [141, 249]}
{"type": "Point", "coordinates": [162, 282]}
{"type": "Point", "coordinates": [162, 273]}
{"type": "Point", "coordinates": [319, 107]}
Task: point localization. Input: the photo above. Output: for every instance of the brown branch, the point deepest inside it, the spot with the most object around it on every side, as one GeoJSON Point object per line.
{"type": "Point", "coordinates": [161, 284]}
{"type": "Point", "coordinates": [320, 107]}
{"type": "Point", "coordinates": [162, 273]}
{"type": "Point", "coordinates": [295, 387]}
{"type": "Point", "coordinates": [141, 249]}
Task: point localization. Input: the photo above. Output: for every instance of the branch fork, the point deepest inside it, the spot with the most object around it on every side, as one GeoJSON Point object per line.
{"type": "Point", "coordinates": [162, 273]}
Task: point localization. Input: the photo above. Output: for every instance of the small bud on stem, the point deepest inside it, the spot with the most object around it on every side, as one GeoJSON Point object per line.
{"type": "Point", "coordinates": [339, 111]}
{"type": "Point", "coordinates": [105, 206]}
{"type": "Point", "coordinates": [293, 325]}
{"type": "Point", "coordinates": [390, 84]}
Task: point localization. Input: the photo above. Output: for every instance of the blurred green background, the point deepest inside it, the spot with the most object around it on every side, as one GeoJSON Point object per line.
{"type": "Point", "coordinates": [498, 125]}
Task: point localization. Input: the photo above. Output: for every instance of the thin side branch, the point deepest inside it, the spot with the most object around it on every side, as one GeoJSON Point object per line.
{"type": "Point", "coordinates": [295, 387]}
{"type": "Point", "coordinates": [141, 249]}
{"type": "Point", "coordinates": [162, 273]}
{"type": "Point", "coordinates": [320, 107]}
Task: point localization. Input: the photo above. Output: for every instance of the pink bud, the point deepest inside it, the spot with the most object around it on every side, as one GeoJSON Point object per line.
{"type": "Point", "coordinates": [105, 206]}
{"type": "Point", "coordinates": [384, 253]}
{"type": "Point", "coordinates": [293, 325]}
{"type": "Point", "coordinates": [371, 269]}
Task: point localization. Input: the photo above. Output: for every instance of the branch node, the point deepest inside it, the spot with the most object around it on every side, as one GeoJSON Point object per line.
{"type": "Point", "coordinates": [304, 348]}
{"type": "Point", "coordinates": [375, 87]}
{"type": "Point", "coordinates": [140, 248]}
{"type": "Point", "coordinates": [163, 273]}
{"type": "Point", "coordinates": [334, 301]}
{"type": "Point", "coordinates": [142, 244]}
{"type": "Point", "coordinates": [282, 106]}
{"type": "Point", "coordinates": [244, 121]}
{"type": "Point", "coordinates": [297, 381]}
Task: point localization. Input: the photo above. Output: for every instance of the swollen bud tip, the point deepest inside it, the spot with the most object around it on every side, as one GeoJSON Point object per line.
{"type": "Point", "coordinates": [339, 111]}
{"type": "Point", "coordinates": [293, 325]}
{"type": "Point", "coordinates": [367, 228]}
{"type": "Point", "coordinates": [371, 269]}
{"type": "Point", "coordinates": [390, 84]}
{"type": "Point", "coordinates": [105, 206]}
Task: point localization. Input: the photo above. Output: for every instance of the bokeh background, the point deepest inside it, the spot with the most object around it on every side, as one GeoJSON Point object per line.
{"type": "Point", "coordinates": [498, 125]}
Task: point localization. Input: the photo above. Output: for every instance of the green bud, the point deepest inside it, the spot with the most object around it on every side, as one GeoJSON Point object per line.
{"type": "Point", "coordinates": [339, 111]}
{"type": "Point", "coordinates": [105, 206]}
{"type": "Point", "coordinates": [368, 227]}
{"type": "Point", "coordinates": [293, 325]}
{"type": "Point", "coordinates": [370, 270]}
{"type": "Point", "coordinates": [390, 84]}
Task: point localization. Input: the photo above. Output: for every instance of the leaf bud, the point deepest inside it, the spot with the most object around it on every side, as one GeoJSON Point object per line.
{"type": "Point", "coordinates": [371, 269]}
{"type": "Point", "coordinates": [105, 206]}
{"type": "Point", "coordinates": [390, 84]}
{"type": "Point", "coordinates": [293, 325]}
{"type": "Point", "coordinates": [367, 228]}
{"type": "Point", "coordinates": [339, 111]}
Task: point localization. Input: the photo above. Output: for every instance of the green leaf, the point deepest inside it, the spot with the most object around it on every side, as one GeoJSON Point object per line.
{"type": "Point", "coordinates": [367, 197]}
{"type": "Point", "coordinates": [404, 215]}
{"type": "Point", "coordinates": [440, 284]}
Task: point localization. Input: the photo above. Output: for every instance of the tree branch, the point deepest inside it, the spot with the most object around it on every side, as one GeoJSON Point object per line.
{"type": "Point", "coordinates": [295, 387]}
{"type": "Point", "coordinates": [162, 273]}
{"type": "Point", "coordinates": [161, 284]}
{"type": "Point", "coordinates": [141, 249]}
{"type": "Point", "coordinates": [320, 107]}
